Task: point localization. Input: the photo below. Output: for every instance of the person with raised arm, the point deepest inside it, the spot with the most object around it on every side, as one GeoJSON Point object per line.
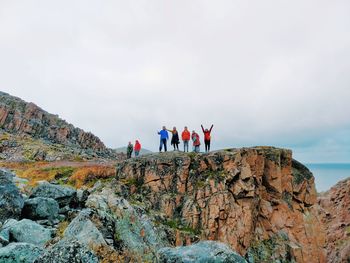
{"type": "Point", "coordinates": [207, 137]}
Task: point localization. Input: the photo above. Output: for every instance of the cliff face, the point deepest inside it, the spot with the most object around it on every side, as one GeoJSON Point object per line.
{"type": "Point", "coordinates": [335, 213]}
{"type": "Point", "coordinates": [20, 118]}
{"type": "Point", "coordinates": [258, 200]}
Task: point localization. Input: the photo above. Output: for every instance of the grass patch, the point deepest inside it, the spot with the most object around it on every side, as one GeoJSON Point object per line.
{"type": "Point", "coordinates": [89, 175]}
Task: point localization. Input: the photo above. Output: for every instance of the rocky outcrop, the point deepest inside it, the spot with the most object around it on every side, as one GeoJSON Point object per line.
{"type": "Point", "coordinates": [204, 251]}
{"type": "Point", "coordinates": [335, 213]}
{"type": "Point", "coordinates": [257, 200]}
{"type": "Point", "coordinates": [11, 200]}
{"type": "Point", "coordinates": [27, 120]}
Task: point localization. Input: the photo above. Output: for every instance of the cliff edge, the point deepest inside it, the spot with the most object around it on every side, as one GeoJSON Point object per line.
{"type": "Point", "coordinates": [258, 200]}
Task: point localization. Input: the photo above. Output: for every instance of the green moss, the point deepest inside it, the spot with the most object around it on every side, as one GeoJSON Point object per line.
{"type": "Point", "coordinates": [177, 225]}
{"type": "Point", "coordinates": [288, 198]}
{"type": "Point", "coordinates": [300, 173]}
{"type": "Point", "coordinates": [274, 249]}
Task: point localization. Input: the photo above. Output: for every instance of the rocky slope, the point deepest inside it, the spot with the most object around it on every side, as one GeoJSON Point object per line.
{"type": "Point", "coordinates": [28, 132]}
{"type": "Point", "coordinates": [335, 213]}
{"type": "Point", "coordinates": [258, 200]}
{"type": "Point", "coordinates": [252, 204]}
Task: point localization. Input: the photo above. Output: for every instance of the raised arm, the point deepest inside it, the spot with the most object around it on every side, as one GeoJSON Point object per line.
{"type": "Point", "coordinates": [202, 128]}
{"type": "Point", "coordinates": [211, 127]}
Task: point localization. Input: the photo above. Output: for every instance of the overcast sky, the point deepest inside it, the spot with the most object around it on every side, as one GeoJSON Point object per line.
{"type": "Point", "coordinates": [263, 72]}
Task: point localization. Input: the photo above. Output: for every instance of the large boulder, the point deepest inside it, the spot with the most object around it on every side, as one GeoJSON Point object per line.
{"type": "Point", "coordinates": [84, 230]}
{"type": "Point", "coordinates": [40, 208]}
{"type": "Point", "coordinates": [62, 194]}
{"type": "Point", "coordinates": [68, 250]}
{"type": "Point", "coordinates": [5, 231]}
{"type": "Point", "coordinates": [28, 231]}
{"type": "Point", "coordinates": [11, 200]}
{"type": "Point", "coordinates": [20, 253]}
{"type": "Point", "coordinates": [202, 252]}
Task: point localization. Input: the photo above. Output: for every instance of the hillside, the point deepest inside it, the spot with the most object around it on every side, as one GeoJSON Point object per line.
{"type": "Point", "coordinates": [335, 214]}
{"type": "Point", "coordinates": [27, 132]}
{"type": "Point", "coordinates": [257, 202]}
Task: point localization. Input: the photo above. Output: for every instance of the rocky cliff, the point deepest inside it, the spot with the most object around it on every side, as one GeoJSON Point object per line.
{"type": "Point", "coordinates": [258, 200]}
{"type": "Point", "coordinates": [238, 205]}
{"type": "Point", "coordinates": [22, 121]}
{"type": "Point", "coordinates": [335, 214]}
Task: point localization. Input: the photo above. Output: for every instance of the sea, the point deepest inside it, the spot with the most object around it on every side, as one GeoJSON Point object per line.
{"type": "Point", "coordinates": [328, 174]}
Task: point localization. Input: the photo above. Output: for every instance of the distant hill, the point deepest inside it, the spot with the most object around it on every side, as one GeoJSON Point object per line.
{"type": "Point", "coordinates": [28, 132]}
{"type": "Point", "coordinates": [123, 150]}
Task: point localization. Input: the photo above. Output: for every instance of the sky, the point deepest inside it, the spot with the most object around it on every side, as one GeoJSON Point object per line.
{"type": "Point", "coordinates": [263, 72]}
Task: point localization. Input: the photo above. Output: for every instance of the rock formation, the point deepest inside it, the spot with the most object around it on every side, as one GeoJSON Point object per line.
{"type": "Point", "coordinates": [25, 120]}
{"type": "Point", "coordinates": [335, 213]}
{"type": "Point", "coordinates": [258, 200]}
{"type": "Point", "coordinates": [252, 204]}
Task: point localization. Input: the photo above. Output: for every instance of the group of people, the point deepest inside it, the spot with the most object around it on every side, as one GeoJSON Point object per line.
{"type": "Point", "coordinates": [186, 136]}
{"type": "Point", "coordinates": [131, 148]}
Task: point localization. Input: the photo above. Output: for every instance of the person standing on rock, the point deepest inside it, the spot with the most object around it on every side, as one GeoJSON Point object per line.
{"type": "Point", "coordinates": [175, 139]}
{"type": "Point", "coordinates": [129, 150]}
{"type": "Point", "coordinates": [164, 136]}
{"type": "Point", "coordinates": [186, 137]}
{"type": "Point", "coordinates": [137, 148]}
{"type": "Point", "coordinates": [196, 142]}
{"type": "Point", "coordinates": [207, 137]}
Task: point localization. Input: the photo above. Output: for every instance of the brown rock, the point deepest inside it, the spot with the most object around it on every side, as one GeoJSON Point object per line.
{"type": "Point", "coordinates": [242, 197]}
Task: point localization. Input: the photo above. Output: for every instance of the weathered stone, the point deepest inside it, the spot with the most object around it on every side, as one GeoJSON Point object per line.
{"type": "Point", "coordinates": [84, 230]}
{"type": "Point", "coordinates": [68, 250]}
{"type": "Point", "coordinates": [20, 253]}
{"type": "Point", "coordinates": [27, 231]}
{"type": "Point", "coordinates": [64, 195]}
{"type": "Point", "coordinates": [11, 200]}
{"type": "Point", "coordinates": [202, 252]}
{"type": "Point", "coordinates": [40, 208]}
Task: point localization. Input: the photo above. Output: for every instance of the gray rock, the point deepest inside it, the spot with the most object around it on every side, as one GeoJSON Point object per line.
{"type": "Point", "coordinates": [202, 252]}
{"type": "Point", "coordinates": [84, 230]}
{"type": "Point", "coordinates": [11, 200]}
{"type": "Point", "coordinates": [68, 251]}
{"type": "Point", "coordinates": [5, 231]}
{"type": "Point", "coordinates": [62, 194]}
{"type": "Point", "coordinates": [82, 196]}
{"type": "Point", "coordinates": [40, 208]}
{"type": "Point", "coordinates": [20, 253]}
{"type": "Point", "coordinates": [28, 231]}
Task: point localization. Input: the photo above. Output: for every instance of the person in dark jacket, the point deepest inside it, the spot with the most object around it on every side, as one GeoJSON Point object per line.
{"type": "Point", "coordinates": [207, 137]}
{"type": "Point", "coordinates": [163, 139]}
{"type": "Point", "coordinates": [129, 150]}
{"type": "Point", "coordinates": [175, 140]}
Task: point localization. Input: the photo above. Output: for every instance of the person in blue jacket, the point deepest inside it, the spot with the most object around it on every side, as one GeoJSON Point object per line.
{"type": "Point", "coordinates": [164, 136]}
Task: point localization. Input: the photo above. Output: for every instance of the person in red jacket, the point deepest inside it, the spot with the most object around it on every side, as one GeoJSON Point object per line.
{"type": "Point", "coordinates": [207, 137]}
{"type": "Point", "coordinates": [137, 148]}
{"type": "Point", "coordinates": [196, 142]}
{"type": "Point", "coordinates": [186, 137]}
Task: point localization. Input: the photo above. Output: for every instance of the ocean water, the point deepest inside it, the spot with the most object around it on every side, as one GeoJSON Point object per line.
{"type": "Point", "coordinates": [328, 174]}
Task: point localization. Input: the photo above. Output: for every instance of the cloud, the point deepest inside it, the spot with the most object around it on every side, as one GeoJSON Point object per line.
{"type": "Point", "coordinates": [263, 72]}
